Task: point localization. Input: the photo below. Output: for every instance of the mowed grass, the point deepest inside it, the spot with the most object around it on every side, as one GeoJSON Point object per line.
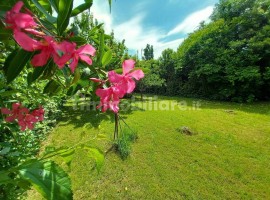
{"type": "Point", "coordinates": [228, 157]}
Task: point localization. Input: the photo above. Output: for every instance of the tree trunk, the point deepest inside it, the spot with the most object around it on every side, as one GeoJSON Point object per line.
{"type": "Point", "coordinates": [116, 125]}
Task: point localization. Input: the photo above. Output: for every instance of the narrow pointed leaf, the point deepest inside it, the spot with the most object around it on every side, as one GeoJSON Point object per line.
{"type": "Point", "coordinates": [78, 40]}
{"type": "Point", "coordinates": [48, 179]}
{"type": "Point", "coordinates": [50, 18]}
{"type": "Point", "coordinates": [107, 57]}
{"type": "Point", "coordinates": [82, 7]}
{"type": "Point", "coordinates": [64, 12]}
{"type": "Point", "coordinates": [97, 155]}
{"type": "Point", "coordinates": [16, 65]}
{"type": "Point", "coordinates": [52, 87]}
{"type": "Point", "coordinates": [54, 4]}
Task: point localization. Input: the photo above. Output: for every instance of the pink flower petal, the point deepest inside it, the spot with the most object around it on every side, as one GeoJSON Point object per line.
{"type": "Point", "coordinates": [114, 106]}
{"type": "Point", "coordinates": [16, 106]}
{"type": "Point", "coordinates": [66, 47]}
{"type": "Point", "coordinates": [63, 60]}
{"type": "Point", "coordinates": [10, 118]}
{"type": "Point", "coordinates": [41, 59]}
{"type": "Point", "coordinates": [25, 41]}
{"type": "Point", "coordinates": [127, 66]}
{"type": "Point", "coordinates": [130, 85]}
{"type": "Point", "coordinates": [22, 124]}
{"type": "Point", "coordinates": [34, 32]}
{"type": "Point", "coordinates": [114, 77]}
{"type": "Point", "coordinates": [87, 49]}
{"type": "Point", "coordinates": [120, 90]}
{"type": "Point", "coordinates": [24, 111]}
{"type": "Point", "coordinates": [5, 111]}
{"type": "Point", "coordinates": [17, 7]}
{"type": "Point", "coordinates": [85, 59]}
{"type": "Point", "coordinates": [23, 20]}
{"type": "Point", "coordinates": [96, 80]}
{"type": "Point", "coordinates": [73, 65]}
{"type": "Point", "coordinates": [137, 74]}
{"type": "Point", "coordinates": [102, 93]}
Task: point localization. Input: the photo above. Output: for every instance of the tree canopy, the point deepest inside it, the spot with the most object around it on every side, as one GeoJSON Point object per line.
{"type": "Point", "coordinates": [226, 59]}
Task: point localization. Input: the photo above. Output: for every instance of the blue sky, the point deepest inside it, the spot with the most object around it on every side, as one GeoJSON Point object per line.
{"type": "Point", "coordinates": [161, 23]}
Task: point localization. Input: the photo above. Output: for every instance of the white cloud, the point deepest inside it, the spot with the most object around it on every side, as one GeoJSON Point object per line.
{"type": "Point", "coordinates": [192, 21]}
{"type": "Point", "coordinates": [101, 12]}
{"type": "Point", "coordinates": [137, 36]}
{"type": "Point", "coordinates": [162, 46]}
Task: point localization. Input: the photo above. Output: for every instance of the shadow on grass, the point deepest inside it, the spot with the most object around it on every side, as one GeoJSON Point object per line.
{"type": "Point", "coordinates": [255, 107]}
{"type": "Point", "coordinates": [83, 114]}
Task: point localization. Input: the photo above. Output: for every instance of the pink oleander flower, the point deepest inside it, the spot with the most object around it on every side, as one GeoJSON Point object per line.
{"type": "Point", "coordinates": [22, 116]}
{"type": "Point", "coordinates": [39, 114]}
{"type": "Point", "coordinates": [22, 23]}
{"type": "Point", "coordinates": [27, 121]}
{"type": "Point", "coordinates": [26, 42]}
{"type": "Point", "coordinates": [15, 113]}
{"type": "Point", "coordinates": [125, 81]}
{"type": "Point", "coordinates": [48, 47]}
{"type": "Point", "coordinates": [17, 20]}
{"type": "Point", "coordinates": [109, 98]}
{"type": "Point", "coordinates": [72, 56]}
{"type": "Point", "coordinates": [96, 80]}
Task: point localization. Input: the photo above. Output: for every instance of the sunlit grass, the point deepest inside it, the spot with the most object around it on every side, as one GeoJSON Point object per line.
{"type": "Point", "coordinates": [227, 158]}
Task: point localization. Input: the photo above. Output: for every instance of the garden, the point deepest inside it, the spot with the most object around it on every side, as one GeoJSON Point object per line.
{"type": "Point", "coordinates": [81, 118]}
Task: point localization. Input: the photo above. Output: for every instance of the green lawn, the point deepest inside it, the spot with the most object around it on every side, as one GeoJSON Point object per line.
{"type": "Point", "coordinates": [227, 158]}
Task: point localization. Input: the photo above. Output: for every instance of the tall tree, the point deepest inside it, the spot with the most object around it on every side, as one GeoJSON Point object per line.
{"type": "Point", "coordinates": [148, 52]}
{"type": "Point", "coordinates": [228, 59]}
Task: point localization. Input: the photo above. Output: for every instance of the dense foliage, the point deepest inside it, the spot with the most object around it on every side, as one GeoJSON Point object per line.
{"type": "Point", "coordinates": [226, 59]}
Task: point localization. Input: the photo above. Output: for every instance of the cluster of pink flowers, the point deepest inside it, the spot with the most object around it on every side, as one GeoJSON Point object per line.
{"type": "Point", "coordinates": [23, 116]}
{"type": "Point", "coordinates": [27, 34]}
{"type": "Point", "coordinates": [120, 84]}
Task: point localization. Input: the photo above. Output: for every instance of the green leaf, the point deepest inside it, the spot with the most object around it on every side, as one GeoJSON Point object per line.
{"type": "Point", "coordinates": [107, 57]}
{"type": "Point", "coordinates": [101, 48]}
{"type": "Point", "coordinates": [64, 152]}
{"type": "Point", "coordinates": [48, 179]}
{"type": "Point", "coordinates": [54, 4]}
{"type": "Point", "coordinates": [39, 70]}
{"type": "Point", "coordinates": [82, 7]}
{"type": "Point", "coordinates": [64, 12]}
{"type": "Point", "coordinates": [78, 40]}
{"type": "Point", "coordinates": [8, 60]}
{"type": "Point", "coordinates": [52, 87]}
{"type": "Point", "coordinates": [8, 93]}
{"type": "Point", "coordinates": [110, 4]}
{"type": "Point", "coordinates": [4, 178]}
{"type": "Point", "coordinates": [46, 5]}
{"type": "Point", "coordinates": [77, 76]}
{"type": "Point", "coordinates": [16, 65]}
{"type": "Point", "coordinates": [97, 155]}
{"type": "Point", "coordinates": [7, 5]}
{"type": "Point", "coordinates": [49, 70]}
{"type": "Point", "coordinates": [5, 34]}
{"type": "Point", "coordinates": [67, 155]}
{"type": "Point", "coordinates": [70, 91]}
{"type": "Point", "coordinates": [48, 25]}
{"type": "Point", "coordinates": [29, 78]}
{"type": "Point", "coordinates": [37, 73]}
{"type": "Point", "coordinates": [5, 151]}
{"type": "Point", "coordinates": [50, 18]}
